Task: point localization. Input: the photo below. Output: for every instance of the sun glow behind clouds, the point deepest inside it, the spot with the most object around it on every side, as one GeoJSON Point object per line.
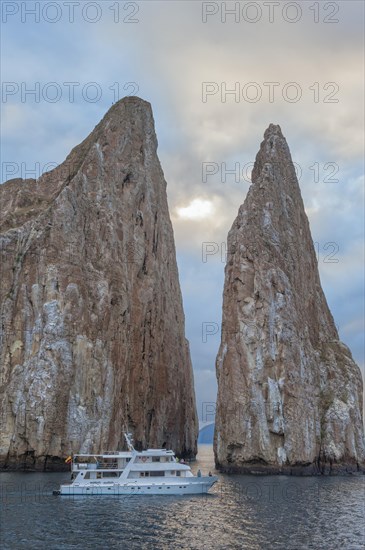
{"type": "Point", "coordinates": [198, 209]}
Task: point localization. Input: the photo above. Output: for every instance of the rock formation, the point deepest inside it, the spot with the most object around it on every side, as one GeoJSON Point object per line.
{"type": "Point", "coordinates": [92, 323]}
{"type": "Point", "coordinates": [289, 392]}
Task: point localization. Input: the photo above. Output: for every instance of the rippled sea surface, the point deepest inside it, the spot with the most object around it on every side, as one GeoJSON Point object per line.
{"type": "Point", "coordinates": [242, 512]}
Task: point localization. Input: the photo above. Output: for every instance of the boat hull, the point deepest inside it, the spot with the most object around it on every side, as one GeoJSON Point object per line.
{"type": "Point", "coordinates": [120, 489]}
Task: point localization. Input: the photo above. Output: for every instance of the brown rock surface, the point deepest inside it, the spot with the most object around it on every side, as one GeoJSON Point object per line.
{"type": "Point", "coordinates": [289, 392]}
{"type": "Point", "coordinates": [92, 323]}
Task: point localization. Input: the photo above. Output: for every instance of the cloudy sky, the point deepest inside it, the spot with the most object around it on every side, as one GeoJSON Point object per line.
{"type": "Point", "coordinates": [297, 64]}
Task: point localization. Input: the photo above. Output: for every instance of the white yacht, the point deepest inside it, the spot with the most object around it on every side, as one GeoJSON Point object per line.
{"type": "Point", "coordinates": [150, 472]}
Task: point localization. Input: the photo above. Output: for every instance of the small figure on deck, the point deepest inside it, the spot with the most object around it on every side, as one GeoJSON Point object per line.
{"type": "Point", "coordinates": [199, 473]}
{"type": "Point", "coordinates": [210, 474]}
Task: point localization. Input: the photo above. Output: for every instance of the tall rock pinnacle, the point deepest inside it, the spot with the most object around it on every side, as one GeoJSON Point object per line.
{"type": "Point", "coordinates": [92, 322]}
{"type": "Point", "coordinates": [289, 392]}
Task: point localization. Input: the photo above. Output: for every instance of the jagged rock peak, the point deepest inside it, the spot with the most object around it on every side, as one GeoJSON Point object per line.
{"type": "Point", "coordinates": [273, 129]}
{"type": "Point", "coordinates": [289, 392]}
{"type": "Point", "coordinates": [274, 159]}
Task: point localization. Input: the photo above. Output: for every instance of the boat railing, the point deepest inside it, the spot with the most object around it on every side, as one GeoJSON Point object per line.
{"type": "Point", "coordinates": [107, 466]}
{"type": "Point", "coordinates": [96, 466]}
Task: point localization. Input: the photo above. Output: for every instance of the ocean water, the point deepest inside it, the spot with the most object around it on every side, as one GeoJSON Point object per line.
{"type": "Point", "coordinates": [242, 512]}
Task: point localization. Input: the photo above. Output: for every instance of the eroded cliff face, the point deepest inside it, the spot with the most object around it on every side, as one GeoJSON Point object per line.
{"type": "Point", "coordinates": [289, 392]}
{"type": "Point", "coordinates": [92, 323]}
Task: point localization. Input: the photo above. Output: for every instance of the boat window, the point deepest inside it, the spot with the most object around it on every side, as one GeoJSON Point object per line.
{"type": "Point", "coordinates": [145, 474]}
{"type": "Point", "coordinates": [155, 459]}
{"type": "Point", "coordinates": [87, 475]}
{"type": "Point", "coordinates": [157, 474]}
{"type": "Point", "coordinates": [178, 473]}
{"type": "Point", "coordinates": [110, 474]}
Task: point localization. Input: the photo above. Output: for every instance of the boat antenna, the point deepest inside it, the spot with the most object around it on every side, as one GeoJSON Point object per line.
{"type": "Point", "coordinates": [129, 439]}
